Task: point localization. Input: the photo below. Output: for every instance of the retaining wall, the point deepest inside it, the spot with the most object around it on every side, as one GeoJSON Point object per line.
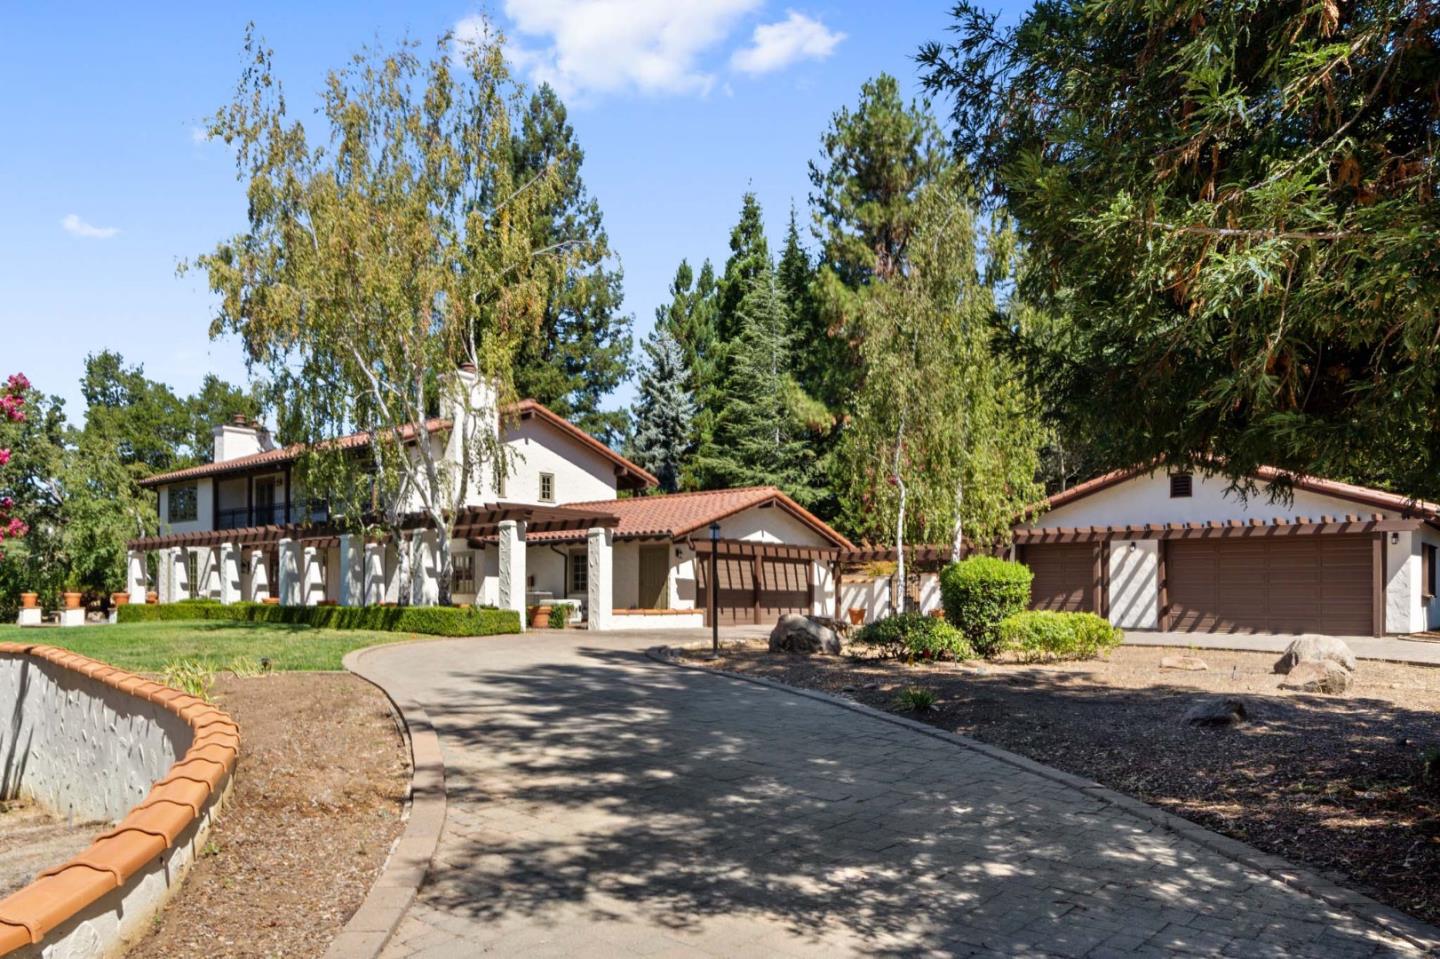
{"type": "Point", "coordinates": [88, 740]}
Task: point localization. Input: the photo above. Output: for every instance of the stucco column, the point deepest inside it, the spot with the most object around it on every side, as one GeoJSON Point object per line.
{"type": "Point", "coordinates": [135, 576]}
{"type": "Point", "coordinates": [209, 572]}
{"type": "Point", "coordinates": [372, 591]}
{"type": "Point", "coordinates": [601, 579]}
{"type": "Point", "coordinates": [424, 560]}
{"type": "Point", "coordinates": [179, 574]}
{"type": "Point", "coordinates": [229, 573]}
{"type": "Point", "coordinates": [312, 579]}
{"type": "Point", "coordinates": [352, 571]}
{"type": "Point", "coordinates": [259, 577]}
{"type": "Point", "coordinates": [290, 573]}
{"type": "Point", "coordinates": [512, 567]}
{"type": "Point", "coordinates": [164, 574]}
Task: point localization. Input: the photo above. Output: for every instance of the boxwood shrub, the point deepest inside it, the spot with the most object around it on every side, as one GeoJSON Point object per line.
{"type": "Point", "coordinates": [430, 620]}
{"type": "Point", "coordinates": [1042, 635]}
{"type": "Point", "coordinates": [981, 591]}
{"type": "Point", "coordinates": [915, 634]}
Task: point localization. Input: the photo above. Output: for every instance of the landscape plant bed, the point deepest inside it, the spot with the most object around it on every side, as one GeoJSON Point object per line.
{"type": "Point", "coordinates": [310, 820]}
{"type": "Point", "coordinates": [32, 839]}
{"type": "Point", "coordinates": [1330, 782]}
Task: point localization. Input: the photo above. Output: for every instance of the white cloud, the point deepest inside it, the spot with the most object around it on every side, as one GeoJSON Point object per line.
{"type": "Point", "coordinates": [78, 227]}
{"type": "Point", "coordinates": [585, 47]}
{"type": "Point", "coordinates": [774, 46]}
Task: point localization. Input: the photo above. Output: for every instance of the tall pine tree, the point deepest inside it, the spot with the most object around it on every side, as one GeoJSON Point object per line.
{"type": "Point", "coordinates": [663, 434]}
{"type": "Point", "coordinates": [749, 258]}
{"type": "Point", "coordinates": [690, 317]}
{"type": "Point", "coordinates": [581, 351]}
{"type": "Point", "coordinates": [758, 438]}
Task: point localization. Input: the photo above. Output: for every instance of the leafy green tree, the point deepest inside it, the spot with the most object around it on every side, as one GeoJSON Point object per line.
{"type": "Point", "coordinates": [758, 438]}
{"type": "Point", "coordinates": [580, 352]}
{"type": "Point", "coordinates": [32, 434]}
{"type": "Point", "coordinates": [1230, 210]}
{"type": "Point", "coordinates": [373, 267]}
{"type": "Point", "coordinates": [665, 411]}
{"type": "Point", "coordinates": [942, 444]}
{"type": "Point", "coordinates": [749, 260]}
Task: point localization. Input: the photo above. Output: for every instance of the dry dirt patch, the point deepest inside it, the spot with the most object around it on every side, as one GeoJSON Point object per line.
{"type": "Point", "coordinates": [312, 815]}
{"type": "Point", "coordinates": [1331, 782]}
{"type": "Point", "coordinates": [32, 839]}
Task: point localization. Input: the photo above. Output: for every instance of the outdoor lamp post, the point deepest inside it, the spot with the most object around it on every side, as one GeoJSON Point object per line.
{"type": "Point", "coordinates": [714, 589]}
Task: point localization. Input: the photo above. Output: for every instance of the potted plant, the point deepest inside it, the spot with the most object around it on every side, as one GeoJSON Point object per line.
{"type": "Point", "coordinates": [119, 599]}
{"type": "Point", "coordinates": [540, 616]}
{"type": "Point", "coordinates": [73, 594]}
{"type": "Point", "coordinates": [152, 597]}
{"type": "Point", "coordinates": [857, 615]}
{"type": "Point", "coordinates": [559, 616]}
{"type": "Point", "coordinates": [29, 600]}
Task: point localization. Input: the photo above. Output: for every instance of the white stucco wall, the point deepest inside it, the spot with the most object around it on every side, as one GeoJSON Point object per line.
{"type": "Point", "coordinates": [1146, 499]}
{"type": "Point", "coordinates": [535, 447]}
{"type": "Point", "coordinates": [204, 508]}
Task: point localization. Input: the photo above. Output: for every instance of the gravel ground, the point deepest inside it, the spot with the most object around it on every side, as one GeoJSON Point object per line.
{"type": "Point", "coordinates": [32, 840]}
{"type": "Point", "coordinates": [1331, 782]}
{"type": "Point", "coordinates": [312, 815]}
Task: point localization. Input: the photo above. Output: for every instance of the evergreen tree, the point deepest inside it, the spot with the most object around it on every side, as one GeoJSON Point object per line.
{"type": "Point", "coordinates": [665, 412]}
{"type": "Point", "coordinates": [690, 318]}
{"type": "Point", "coordinates": [749, 259]}
{"type": "Point", "coordinates": [580, 352]}
{"type": "Point", "coordinates": [758, 440]}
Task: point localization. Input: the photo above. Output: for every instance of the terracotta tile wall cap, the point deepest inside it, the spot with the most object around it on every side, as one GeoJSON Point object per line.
{"type": "Point", "coordinates": [168, 810]}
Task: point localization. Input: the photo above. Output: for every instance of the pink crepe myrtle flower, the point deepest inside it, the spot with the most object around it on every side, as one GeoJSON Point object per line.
{"type": "Point", "coordinates": [4, 457]}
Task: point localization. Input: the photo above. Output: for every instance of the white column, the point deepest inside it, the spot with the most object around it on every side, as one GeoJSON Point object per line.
{"type": "Point", "coordinates": [424, 568]}
{"type": "Point", "coordinates": [207, 572]}
{"type": "Point", "coordinates": [289, 573]}
{"type": "Point", "coordinates": [392, 569]}
{"type": "Point", "coordinates": [259, 577]}
{"type": "Point", "coordinates": [229, 573]}
{"type": "Point", "coordinates": [180, 585]}
{"type": "Point", "coordinates": [352, 571]}
{"type": "Point", "coordinates": [135, 570]}
{"type": "Point", "coordinates": [601, 579]}
{"type": "Point", "coordinates": [311, 577]}
{"type": "Point", "coordinates": [512, 567]}
{"type": "Point", "coordinates": [373, 589]}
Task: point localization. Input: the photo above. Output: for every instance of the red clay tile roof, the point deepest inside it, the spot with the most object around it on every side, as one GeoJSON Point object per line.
{"type": "Point", "coordinates": [639, 478]}
{"type": "Point", "coordinates": [1313, 484]}
{"type": "Point", "coordinates": [676, 515]}
{"type": "Point", "coordinates": [151, 827]}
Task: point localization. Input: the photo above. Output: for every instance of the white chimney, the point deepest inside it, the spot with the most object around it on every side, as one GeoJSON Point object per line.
{"type": "Point", "coordinates": [240, 437]}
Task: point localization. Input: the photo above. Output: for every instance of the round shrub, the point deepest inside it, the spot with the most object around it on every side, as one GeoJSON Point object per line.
{"type": "Point", "coordinates": [1042, 635]}
{"type": "Point", "coordinates": [981, 591]}
{"type": "Point", "coordinates": [915, 634]}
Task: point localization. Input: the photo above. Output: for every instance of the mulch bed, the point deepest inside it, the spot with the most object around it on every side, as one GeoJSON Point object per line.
{"type": "Point", "coordinates": [33, 839]}
{"type": "Point", "coordinates": [1331, 782]}
{"type": "Point", "coordinates": [313, 812]}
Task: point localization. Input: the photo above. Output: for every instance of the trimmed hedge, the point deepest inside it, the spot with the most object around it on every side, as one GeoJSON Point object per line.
{"type": "Point", "coordinates": [1040, 635]}
{"type": "Point", "coordinates": [980, 592]}
{"type": "Point", "coordinates": [430, 620]}
{"type": "Point", "coordinates": [915, 634]}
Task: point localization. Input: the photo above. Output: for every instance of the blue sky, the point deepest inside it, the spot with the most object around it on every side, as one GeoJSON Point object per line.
{"type": "Point", "coordinates": [104, 186]}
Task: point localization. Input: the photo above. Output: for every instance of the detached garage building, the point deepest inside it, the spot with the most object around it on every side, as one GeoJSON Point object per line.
{"type": "Point", "coordinates": [1175, 551]}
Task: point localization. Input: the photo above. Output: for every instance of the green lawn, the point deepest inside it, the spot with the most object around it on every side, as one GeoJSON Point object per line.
{"type": "Point", "coordinates": [148, 647]}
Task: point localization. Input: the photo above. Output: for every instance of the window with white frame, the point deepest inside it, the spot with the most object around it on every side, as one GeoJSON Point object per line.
{"type": "Point", "coordinates": [547, 487]}
{"type": "Point", "coordinates": [182, 504]}
{"type": "Point", "coordinates": [579, 573]}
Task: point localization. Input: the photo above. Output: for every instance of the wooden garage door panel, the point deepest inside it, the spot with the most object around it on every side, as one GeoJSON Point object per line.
{"type": "Point", "coordinates": [1301, 584]}
{"type": "Point", "coordinates": [785, 588]}
{"type": "Point", "coordinates": [1064, 576]}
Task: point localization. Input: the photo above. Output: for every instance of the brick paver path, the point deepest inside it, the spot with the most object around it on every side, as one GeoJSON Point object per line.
{"type": "Point", "coordinates": [602, 804]}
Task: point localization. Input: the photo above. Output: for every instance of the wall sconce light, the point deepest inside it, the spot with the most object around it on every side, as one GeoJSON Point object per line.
{"type": "Point", "coordinates": [1394, 538]}
{"type": "Point", "coordinates": [1133, 544]}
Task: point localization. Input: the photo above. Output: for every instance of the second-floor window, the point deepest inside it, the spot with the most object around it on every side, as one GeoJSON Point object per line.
{"type": "Point", "coordinates": [182, 505]}
{"type": "Point", "coordinates": [547, 487]}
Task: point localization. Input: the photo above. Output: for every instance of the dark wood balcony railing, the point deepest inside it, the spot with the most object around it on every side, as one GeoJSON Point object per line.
{"type": "Point", "coordinates": [241, 517]}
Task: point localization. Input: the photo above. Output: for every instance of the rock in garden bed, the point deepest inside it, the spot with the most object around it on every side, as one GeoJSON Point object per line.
{"type": "Point", "coordinates": [1316, 649]}
{"type": "Point", "coordinates": [1216, 711]}
{"type": "Point", "coordinates": [803, 635]}
{"type": "Point", "coordinates": [1191, 664]}
{"type": "Point", "coordinates": [1310, 676]}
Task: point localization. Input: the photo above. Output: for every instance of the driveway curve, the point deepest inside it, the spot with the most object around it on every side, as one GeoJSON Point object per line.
{"type": "Point", "coordinates": [604, 804]}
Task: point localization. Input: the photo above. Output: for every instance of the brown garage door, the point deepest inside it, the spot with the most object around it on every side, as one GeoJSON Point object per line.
{"type": "Point", "coordinates": [1309, 584]}
{"type": "Point", "coordinates": [785, 588]}
{"type": "Point", "coordinates": [1064, 576]}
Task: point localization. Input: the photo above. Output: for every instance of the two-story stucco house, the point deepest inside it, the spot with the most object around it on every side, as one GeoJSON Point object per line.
{"type": "Point", "coordinates": [572, 521]}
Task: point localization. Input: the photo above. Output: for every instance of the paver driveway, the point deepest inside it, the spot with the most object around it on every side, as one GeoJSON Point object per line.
{"type": "Point", "coordinates": [601, 804]}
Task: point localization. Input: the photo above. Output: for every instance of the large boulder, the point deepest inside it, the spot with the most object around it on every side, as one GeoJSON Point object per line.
{"type": "Point", "coordinates": [1317, 649]}
{"type": "Point", "coordinates": [804, 635]}
{"type": "Point", "coordinates": [1313, 676]}
{"type": "Point", "coordinates": [1218, 711]}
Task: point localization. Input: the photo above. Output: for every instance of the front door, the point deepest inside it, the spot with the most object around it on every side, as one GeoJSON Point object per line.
{"type": "Point", "coordinates": [654, 577]}
{"type": "Point", "coordinates": [264, 502]}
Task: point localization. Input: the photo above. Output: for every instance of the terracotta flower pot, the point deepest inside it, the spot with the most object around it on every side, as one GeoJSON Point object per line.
{"type": "Point", "coordinates": [271, 600]}
{"type": "Point", "coordinates": [539, 617]}
{"type": "Point", "coordinates": [119, 599]}
{"type": "Point", "coordinates": [29, 600]}
{"type": "Point", "coordinates": [152, 598]}
{"type": "Point", "coordinates": [72, 600]}
{"type": "Point", "coordinates": [857, 616]}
